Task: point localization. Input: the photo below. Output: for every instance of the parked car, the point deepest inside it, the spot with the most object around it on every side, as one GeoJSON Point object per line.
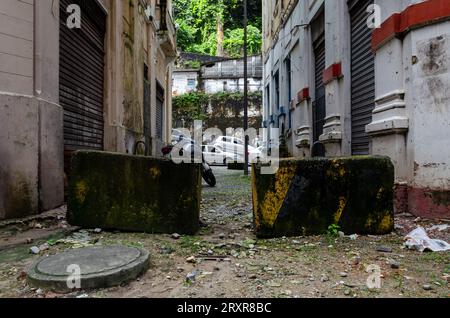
{"type": "Point", "coordinates": [178, 135]}
{"type": "Point", "coordinates": [267, 147]}
{"type": "Point", "coordinates": [216, 156]}
{"type": "Point", "coordinates": [236, 145]}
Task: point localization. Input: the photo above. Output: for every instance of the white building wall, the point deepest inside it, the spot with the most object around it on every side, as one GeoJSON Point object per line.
{"type": "Point", "coordinates": [184, 82]}
{"type": "Point", "coordinates": [213, 86]}
{"type": "Point", "coordinates": [16, 46]}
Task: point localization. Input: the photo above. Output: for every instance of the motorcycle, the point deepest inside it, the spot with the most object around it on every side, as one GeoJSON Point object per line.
{"type": "Point", "coordinates": [182, 146]}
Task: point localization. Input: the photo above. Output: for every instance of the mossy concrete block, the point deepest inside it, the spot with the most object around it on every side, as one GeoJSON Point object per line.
{"type": "Point", "coordinates": [305, 197]}
{"type": "Point", "coordinates": [133, 193]}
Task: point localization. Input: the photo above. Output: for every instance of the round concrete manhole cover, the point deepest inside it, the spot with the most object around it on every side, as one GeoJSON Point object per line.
{"type": "Point", "coordinates": [89, 268]}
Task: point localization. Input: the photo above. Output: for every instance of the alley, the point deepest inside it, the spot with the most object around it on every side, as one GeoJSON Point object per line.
{"type": "Point", "coordinates": [226, 260]}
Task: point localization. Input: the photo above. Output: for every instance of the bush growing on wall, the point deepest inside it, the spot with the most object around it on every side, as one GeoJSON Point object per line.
{"type": "Point", "coordinates": [221, 110]}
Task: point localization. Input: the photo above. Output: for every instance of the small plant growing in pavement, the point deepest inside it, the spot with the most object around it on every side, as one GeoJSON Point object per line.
{"type": "Point", "coordinates": [333, 230]}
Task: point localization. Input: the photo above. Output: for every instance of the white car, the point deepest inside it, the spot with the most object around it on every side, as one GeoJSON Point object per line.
{"type": "Point", "coordinates": [236, 146]}
{"type": "Point", "coordinates": [215, 156]}
{"type": "Point", "coordinates": [178, 135]}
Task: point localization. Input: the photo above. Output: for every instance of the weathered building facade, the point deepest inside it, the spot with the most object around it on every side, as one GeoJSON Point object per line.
{"type": "Point", "coordinates": [337, 86]}
{"type": "Point", "coordinates": [220, 75]}
{"type": "Point", "coordinates": [104, 86]}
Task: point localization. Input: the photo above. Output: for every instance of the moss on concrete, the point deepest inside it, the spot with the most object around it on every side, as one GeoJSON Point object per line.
{"type": "Point", "coordinates": [305, 197]}
{"type": "Point", "coordinates": [131, 193]}
{"type": "Point", "coordinates": [20, 199]}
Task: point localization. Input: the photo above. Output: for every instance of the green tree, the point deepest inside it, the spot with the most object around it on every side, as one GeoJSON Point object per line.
{"type": "Point", "coordinates": [234, 41]}
{"type": "Point", "coordinates": [212, 26]}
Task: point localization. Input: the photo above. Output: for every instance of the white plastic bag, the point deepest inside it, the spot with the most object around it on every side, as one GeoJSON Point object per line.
{"type": "Point", "coordinates": [419, 240]}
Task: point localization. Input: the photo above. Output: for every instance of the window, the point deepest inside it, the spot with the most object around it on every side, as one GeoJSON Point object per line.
{"type": "Point", "coordinates": [289, 87]}
{"type": "Point", "coordinates": [288, 79]}
{"type": "Point", "coordinates": [277, 89]}
{"type": "Point", "coordinates": [191, 83]}
{"type": "Point", "coordinates": [159, 110]}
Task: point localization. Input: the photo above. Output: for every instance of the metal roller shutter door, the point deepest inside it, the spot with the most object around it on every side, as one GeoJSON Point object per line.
{"type": "Point", "coordinates": [82, 78]}
{"type": "Point", "coordinates": [363, 77]}
{"type": "Point", "coordinates": [319, 105]}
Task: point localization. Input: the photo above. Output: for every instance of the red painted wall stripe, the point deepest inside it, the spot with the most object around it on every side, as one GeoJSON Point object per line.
{"type": "Point", "coordinates": [333, 72]}
{"type": "Point", "coordinates": [303, 95]}
{"type": "Point", "coordinates": [424, 13]}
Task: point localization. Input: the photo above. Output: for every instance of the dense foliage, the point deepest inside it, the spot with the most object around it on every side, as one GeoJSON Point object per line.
{"type": "Point", "coordinates": [221, 110]}
{"type": "Point", "coordinates": [215, 27]}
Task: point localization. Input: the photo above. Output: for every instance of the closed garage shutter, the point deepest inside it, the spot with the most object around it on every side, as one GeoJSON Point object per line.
{"type": "Point", "coordinates": [159, 111]}
{"type": "Point", "coordinates": [363, 77]}
{"type": "Point", "coordinates": [319, 105]}
{"type": "Point", "coordinates": [81, 78]}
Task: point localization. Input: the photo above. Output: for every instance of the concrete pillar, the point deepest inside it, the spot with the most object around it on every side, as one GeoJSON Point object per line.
{"type": "Point", "coordinates": [114, 114]}
{"type": "Point", "coordinates": [31, 138]}
{"type": "Point", "coordinates": [46, 90]}
{"type": "Point", "coordinates": [304, 131]}
{"type": "Point", "coordinates": [336, 136]}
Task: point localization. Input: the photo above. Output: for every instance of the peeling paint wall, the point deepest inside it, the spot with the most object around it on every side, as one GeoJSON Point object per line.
{"type": "Point", "coordinates": [132, 43]}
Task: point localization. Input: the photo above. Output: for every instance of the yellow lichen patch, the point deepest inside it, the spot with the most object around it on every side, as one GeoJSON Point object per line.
{"type": "Point", "coordinates": [380, 193]}
{"type": "Point", "coordinates": [254, 196]}
{"type": "Point", "coordinates": [337, 170]}
{"type": "Point", "coordinates": [387, 223]}
{"type": "Point", "coordinates": [273, 200]}
{"type": "Point", "coordinates": [338, 214]}
{"type": "Point", "coordinates": [369, 222]}
{"type": "Point", "coordinates": [342, 172]}
{"type": "Point", "coordinates": [155, 172]}
{"type": "Point", "coordinates": [81, 190]}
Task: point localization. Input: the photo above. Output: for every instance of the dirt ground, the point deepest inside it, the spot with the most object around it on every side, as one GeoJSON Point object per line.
{"type": "Point", "coordinates": [226, 260]}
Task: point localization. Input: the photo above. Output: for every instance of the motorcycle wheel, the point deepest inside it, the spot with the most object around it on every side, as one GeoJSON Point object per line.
{"type": "Point", "coordinates": [209, 177]}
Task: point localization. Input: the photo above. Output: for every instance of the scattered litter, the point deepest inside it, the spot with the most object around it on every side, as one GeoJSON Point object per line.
{"type": "Point", "coordinates": [35, 250]}
{"type": "Point", "coordinates": [191, 259]}
{"type": "Point", "coordinates": [273, 284]}
{"type": "Point", "coordinates": [44, 247]}
{"type": "Point", "coordinates": [176, 236]}
{"type": "Point", "coordinates": [394, 264]}
{"type": "Point", "coordinates": [427, 287]}
{"type": "Point", "coordinates": [98, 230]}
{"type": "Point", "coordinates": [204, 274]}
{"type": "Point", "coordinates": [384, 249]}
{"type": "Point", "coordinates": [440, 227]}
{"type": "Point", "coordinates": [77, 240]}
{"type": "Point", "coordinates": [83, 296]}
{"type": "Point", "coordinates": [419, 240]}
{"type": "Point", "coordinates": [356, 260]}
{"type": "Point", "coordinates": [324, 278]}
{"type": "Point", "coordinates": [180, 269]}
{"type": "Point", "coordinates": [353, 237]}
{"type": "Point", "coordinates": [190, 278]}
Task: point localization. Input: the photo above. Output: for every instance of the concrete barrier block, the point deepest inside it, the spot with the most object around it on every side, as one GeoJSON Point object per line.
{"type": "Point", "coordinates": [305, 197]}
{"type": "Point", "coordinates": [132, 193]}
